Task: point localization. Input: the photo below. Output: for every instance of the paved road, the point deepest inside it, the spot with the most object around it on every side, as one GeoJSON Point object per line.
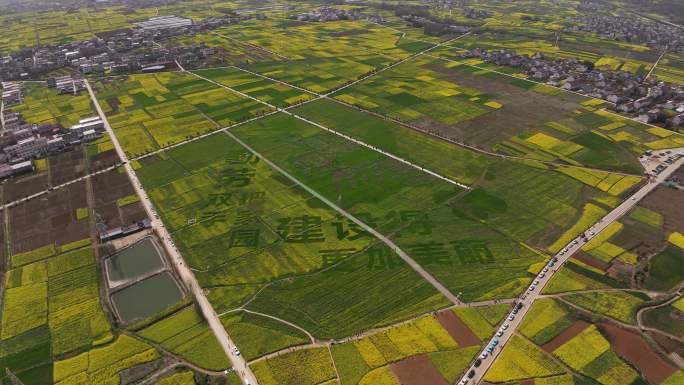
{"type": "Point", "coordinates": [527, 298]}
{"type": "Point", "coordinates": [65, 184]}
{"type": "Point", "coordinates": [182, 268]}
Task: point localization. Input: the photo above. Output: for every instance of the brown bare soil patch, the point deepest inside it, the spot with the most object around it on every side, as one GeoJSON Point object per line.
{"type": "Point", "coordinates": [636, 351]}
{"type": "Point", "coordinates": [670, 345]}
{"type": "Point", "coordinates": [670, 203]}
{"type": "Point", "coordinates": [113, 105]}
{"type": "Point", "coordinates": [457, 329]}
{"type": "Point", "coordinates": [107, 189]}
{"type": "Point", "coordinates": [50, 219]}
{"type": "Point", "coordinates": [67, 166]}
{"type": "Point", "coordinates": [417, 370]}
{"type": "Point", "coordinates": [25, 186]}
{"type": "Point", "coordinates": [591, 261]}
{"type": "Point", "coordinates": [529, 381]}
{"type": "Point", "coordinates": [576, 328]}
{"type": "Point", "coordinates": [103, 160]}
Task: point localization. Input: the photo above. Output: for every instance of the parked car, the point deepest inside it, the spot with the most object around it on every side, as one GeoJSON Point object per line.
{"type": "Point", "coordinates": [471, 374]}
{"type": "Point", "coordinates": [477, 363]}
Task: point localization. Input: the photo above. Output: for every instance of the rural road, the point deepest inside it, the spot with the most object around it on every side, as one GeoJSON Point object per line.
{"type": "Point", "coordinates": [182, 268]}
{"type": "Point", "coordinates": [528, 298]}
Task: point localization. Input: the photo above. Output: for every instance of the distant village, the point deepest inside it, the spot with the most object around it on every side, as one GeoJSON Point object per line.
{"type": "Point", "coordinates": [117, 52]}
{"type": "Point", "coordinates": [633, 30]}
{"type": "Point", "coordinates": [333, 14]}
{"type": "Point", "coordinates": [651, 100]}
{"type": "Point", "coordinates": [22, 142]}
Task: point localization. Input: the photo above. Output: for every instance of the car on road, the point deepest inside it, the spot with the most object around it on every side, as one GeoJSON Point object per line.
{"type": "Point", "coordinates": [505, 326]}
{"type": "Point", "coordinates": [541, 275]}
{"type": "Point", "coordinates": [484, 355]}
{"type": "Point", "coordinates": [518, 306]}
{"type": "Point", "coordinates": [536, 282]}
{"type": "Point", "coordinates": [477, 363]}
{"type": "Point", "coordinates": [489, 349]}
{"type": "Point", "coordinates": [471, 373]}
{"type": "Point", "coordinates": [531, 288]}
{"type": "Point", "coordinates": [545, 269]}
{"type": "Point", "coordinates": [511, 317]}
{"type": "Point", "coordinates": [463, 382]}
{"type": "Point", "coordinates": [236, 351]}
{"type": "Point", "coordinates": [499, 333]}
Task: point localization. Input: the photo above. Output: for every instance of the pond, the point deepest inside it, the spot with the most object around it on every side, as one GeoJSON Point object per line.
{"type": "Point", "coordinates": [134, 262]}
{"type": "Point", "coordinates": [147, 297]}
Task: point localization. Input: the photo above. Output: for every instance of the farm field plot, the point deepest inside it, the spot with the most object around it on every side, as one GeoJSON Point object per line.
{"type": "Point", "coordinates": [512, 190]}
{"type": "Point", "coordinates": [619, 305]}
{"type": "Point", "coordinates": [51, 307]}
{"type": "Point", "coordinates": [43, 105]}
{"type": "Point", "coordinates": [115, 200]}
{"type": "Point", "coordinates": [521, 359]}
{"type": "Point", "coordinates": [266, 90]}
{"type": "Point", "coordinates": [258, 335]}
{"type": "Point", "coordinates": [187, 335]}
{"type": "Point", "coordinates": [671, 68]}
{"type": "Point", "coordinates": [478, 253]}
{"type": "Point", "coordinates": [50, 221]}
{"type": "Point", "coordinates": [240, 224]}
{"type": "Point", "coordinates": [457, 100]}
{"type": "Point", "coordinates": [152, 111]}
{"type": "Point", "coordinates": [321, 57]}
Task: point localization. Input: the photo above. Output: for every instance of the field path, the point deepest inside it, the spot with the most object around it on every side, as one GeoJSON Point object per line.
{"type": "Point", "coordinates": [177, 260]}
{"type": "Point", "coordinates": [65, 184]}
{"type": "Point", "coordinates": [410, 261]}
{"type": "Point", "coordinates": [530, 296]}
{"type": "Point", "coordinates": [345, 136]}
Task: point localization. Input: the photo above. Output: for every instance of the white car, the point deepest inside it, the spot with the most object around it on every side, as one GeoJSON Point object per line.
{"type": "Point", "coordinates": [484, 355]}
{"type": "Point", "coordinates": [236, 351]}
{"type": "Point", "coordinates": [541, 275]}
{"type": "Point", "coordinates": [463, 382]}
{"type": "Point", "coordinates": [545, 269]}
{"type": "Point", "coordinates": [499, 333]}
{"type": "Point", "coordinates": [511, 317]}
{"type": "Point", "coordinates": [536, 282]}
{"type": "Point", "coordinates": [531, 288]}
{"type": "Point", "coordinates": [505, 326]}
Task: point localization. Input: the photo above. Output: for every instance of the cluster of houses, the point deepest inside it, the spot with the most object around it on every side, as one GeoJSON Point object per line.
{"type": "Point", "coordinates": [651, 100]}
{"type": "Point", "coordinates": [333, 14]}
{"type": "Point", "coordinates": [67, 84]}
{"type": "Point", "coordinates": [11, 93]}
{"type": "Point", "coordinates": [117, 52]}
{"type": "Point", "coordinates": [22, 142]}
{"type": "Point", "coordinates": [632, 29]}
{"type": "Point", "coordinates": [478, 14]}
{"type": "Point", "coordinates": [434, 26]}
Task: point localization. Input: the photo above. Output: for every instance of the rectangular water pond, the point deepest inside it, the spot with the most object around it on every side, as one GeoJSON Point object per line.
{"type": "Point", "coordinates": [147, 297]}
{"type": "Point", "coordinates": [134, 262]}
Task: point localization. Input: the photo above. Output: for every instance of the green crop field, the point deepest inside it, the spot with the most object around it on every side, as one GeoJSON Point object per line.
{"type": "Point", "coordinates": [319, 165]}
{"type": "Point", "coordinates": [43, 105]}
{"type": "Point", "coordinates": [186, 334]}
{"type": "Point", "coordinates": [619, 305]}
{"type": "Point", "coordinates": [152, 111]}
{"type": "Point", "coordinates": [520, 360]}
{"type": "Point", "coordinates": [51, 307]}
